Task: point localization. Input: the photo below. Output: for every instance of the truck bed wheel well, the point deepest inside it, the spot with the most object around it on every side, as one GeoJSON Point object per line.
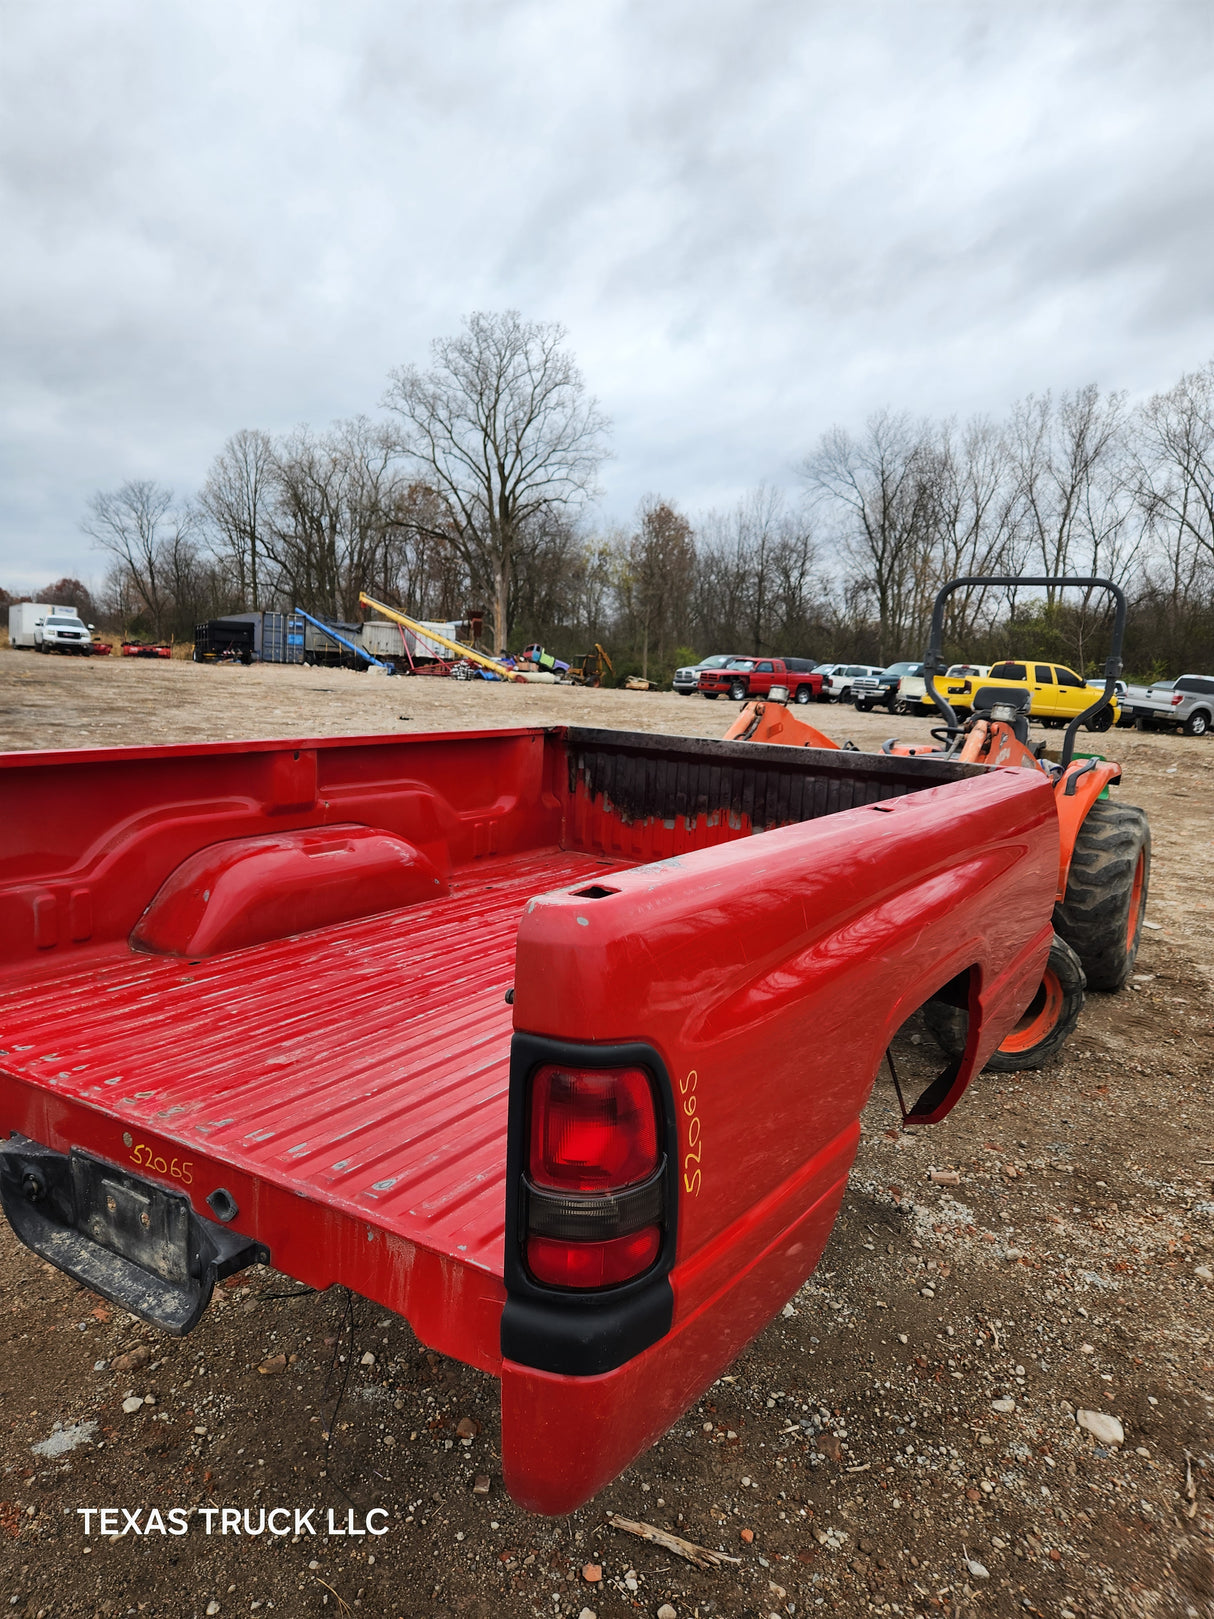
{"type": "Point", "coordinates": [1043, 1029]}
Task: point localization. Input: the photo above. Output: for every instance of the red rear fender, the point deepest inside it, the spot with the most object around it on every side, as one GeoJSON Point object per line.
{"type": "Point", "coordinates": [768, 975]}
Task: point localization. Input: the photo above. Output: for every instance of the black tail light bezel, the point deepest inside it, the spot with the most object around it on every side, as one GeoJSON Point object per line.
{"type": "Point", "coordinates": [585, 1331]}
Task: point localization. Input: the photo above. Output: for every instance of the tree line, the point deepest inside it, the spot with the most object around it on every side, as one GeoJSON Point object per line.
{"type": "Point", "coordinates": [473, 493]}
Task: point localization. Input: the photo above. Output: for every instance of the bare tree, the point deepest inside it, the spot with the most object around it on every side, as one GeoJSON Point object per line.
{"type": "Point", "coordinates": [70, 593]}
{"type": "Point", "coordinates": [881, 485]}
{"type": "Point", "coordinates": [337, 497]}
{"type": "Point", "coordinates": [147, 536]}
{"type": "Point", "coordinates": [1173, 479]}
{"type": "Point", "coordinates": [1072, 481]}
{"type": "Point", "coordinates": [591, 582]}
{"type": "Point", "coordinates": [235, 498]}
{"type": "Point", "coordinates": [757, 586]}
{"type": "Point", "coordinates": [501, 428]}
{"type": "Point", "coordinates": [1174, 464]}
{"type": "Point", "coordinates": [656, 575]}
{"type": "Point", "coordinates": [975, 517]}
{"type": "Point", "coordinates": [796, 593]}
{"type": "Point", "coordinates": [419, 566]}
{"type": "Point", "coordinates": [1076, 500]}
{"type": "Point", "coordinates": [543, 591]}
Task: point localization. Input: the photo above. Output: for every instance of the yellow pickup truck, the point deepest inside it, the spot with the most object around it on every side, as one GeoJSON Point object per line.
{"type": "Point", "coordinates": [1058, 692]}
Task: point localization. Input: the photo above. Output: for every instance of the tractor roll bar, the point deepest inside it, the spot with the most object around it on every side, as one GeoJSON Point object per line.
{"type": "Point", "coordinates": [934, 664]}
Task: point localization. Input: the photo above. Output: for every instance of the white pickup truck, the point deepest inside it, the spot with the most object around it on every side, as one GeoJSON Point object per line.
{"type": "Point", "coordinates": [63, 630]}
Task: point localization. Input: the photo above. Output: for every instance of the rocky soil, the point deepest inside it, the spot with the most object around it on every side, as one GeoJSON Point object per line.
{"type": "Point", "coordinates": [903, 1440]}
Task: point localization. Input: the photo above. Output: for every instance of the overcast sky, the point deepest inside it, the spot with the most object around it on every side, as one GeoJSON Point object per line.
{"type": "Point", "coordinates": [755, 218]}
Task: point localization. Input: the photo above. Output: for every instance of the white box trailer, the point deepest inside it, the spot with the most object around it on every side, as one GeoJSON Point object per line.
{"type": "Point", "coordinates": [22, 617]}
{"type": "Point", "coordinates": [388, 640]}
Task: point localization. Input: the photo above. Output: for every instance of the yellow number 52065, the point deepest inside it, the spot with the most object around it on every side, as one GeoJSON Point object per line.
{"type": "Point", "coordinates": [692, 1177]}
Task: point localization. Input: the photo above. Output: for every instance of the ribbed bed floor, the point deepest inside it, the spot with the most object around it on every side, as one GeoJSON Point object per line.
{"type": "Point", "coordinates": [365, 1063]}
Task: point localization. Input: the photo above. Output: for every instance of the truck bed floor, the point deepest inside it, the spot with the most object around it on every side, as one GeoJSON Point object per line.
{"type": "Point", "coordinates": [289, 1059]}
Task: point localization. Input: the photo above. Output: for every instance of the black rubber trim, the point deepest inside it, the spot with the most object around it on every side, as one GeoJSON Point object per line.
{"type": "Point", "coordinates": [1072, 781]}
{"type": "Point", "coordinates": [582, 1334]}
{"type": "Point", "coordinates": [138, 1244]}
{"type": "Point", "coordinates": [935, 1093]}
{"type": "Point", "coordinates": [595, 1216]}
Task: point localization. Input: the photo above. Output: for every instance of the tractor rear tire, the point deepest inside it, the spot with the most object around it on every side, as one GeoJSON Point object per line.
{"type": "Point", "coordinates": [1044, 1028]}
{"type": "Point", "coordinates": [1101, 913]}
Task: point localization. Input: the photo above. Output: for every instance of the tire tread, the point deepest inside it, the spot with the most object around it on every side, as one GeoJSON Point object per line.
{"type": "Point", "coordinates": [949, 1025]}
{"type": "Point", "coordinates": [1093, 916]}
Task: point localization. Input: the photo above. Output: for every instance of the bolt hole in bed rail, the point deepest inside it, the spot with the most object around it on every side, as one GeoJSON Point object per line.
{"type": "Point", "coordinates": [342, 1073]}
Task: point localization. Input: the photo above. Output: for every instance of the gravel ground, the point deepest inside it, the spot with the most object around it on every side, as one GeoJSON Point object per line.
{"type": "Point", "coordinates": [903, 1440]}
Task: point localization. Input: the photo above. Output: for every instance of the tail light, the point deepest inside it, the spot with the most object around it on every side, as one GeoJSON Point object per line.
{"type": "Point", "coordinates": [595, 1172]}
{"type": "Point", "coordinates": [1177, 697]}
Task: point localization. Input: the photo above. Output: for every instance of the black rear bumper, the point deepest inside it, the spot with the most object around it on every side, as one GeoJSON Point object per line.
{"type": "Point", "coordinates": [137, 1244]}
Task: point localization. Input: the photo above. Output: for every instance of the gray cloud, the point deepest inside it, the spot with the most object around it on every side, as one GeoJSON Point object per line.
{"type": "Point", "coordinates": [755, 217]}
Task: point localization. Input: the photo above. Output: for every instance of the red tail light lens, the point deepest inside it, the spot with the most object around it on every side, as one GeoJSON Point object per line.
{"type": "Point", "coordinates": [592, 1129]}
{"type": "Point", "coordinates": [595, 1183]}
{"type": "Point", "coordinates": [1177, 697]}
{"type": "Point", "coordinates": [592, 1264]}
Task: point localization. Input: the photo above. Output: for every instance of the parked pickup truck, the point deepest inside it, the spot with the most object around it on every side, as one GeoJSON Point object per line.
{"type": "Point", "coordinates": [837, 679]}
{"type": "Point", "coordinates": [523, 1034]}
{"type": "Point", "coordinates": [46, 628]}
{"type": "Point", "coordinates": [1057, 693]}
{"type": "Point", "coordinates": [1185, 705]}
{"type": "Point", "coordinates": [880, 688]}
{"type": "Point", "coordinates": [912, 689]}
{"type": "Point", "coordinates": [687, 679]}
{"type": "Point", "coordinates": [743, 678]}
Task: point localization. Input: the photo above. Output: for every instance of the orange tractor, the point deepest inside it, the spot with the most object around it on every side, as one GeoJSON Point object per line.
{"type": "Point", "coordinates": [1104, 855]}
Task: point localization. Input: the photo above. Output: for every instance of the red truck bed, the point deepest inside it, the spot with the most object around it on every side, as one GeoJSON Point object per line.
{"type": "Point", "coordinates": [253, 996]}
{"type": "Point", "coordinates": [231, 1054]}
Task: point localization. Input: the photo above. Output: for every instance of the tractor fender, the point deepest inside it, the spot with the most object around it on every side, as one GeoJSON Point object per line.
{"type": "Point", "coordinates": [1075, 791]}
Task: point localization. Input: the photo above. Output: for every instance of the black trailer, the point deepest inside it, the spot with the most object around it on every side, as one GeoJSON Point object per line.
{"type": "Point", "coordinates": [250, 638]}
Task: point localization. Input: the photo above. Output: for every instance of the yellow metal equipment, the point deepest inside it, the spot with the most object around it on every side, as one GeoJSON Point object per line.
{"type": "Point", "coordinates": [588, 670]}
{"type": "Point", "coordinates": [433, 635]}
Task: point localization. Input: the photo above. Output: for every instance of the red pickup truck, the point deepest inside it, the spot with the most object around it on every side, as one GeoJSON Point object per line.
{"type": "Point", "coordinates": [743, 678]}
{"type": "Point", "coordinates": [522, 1034]}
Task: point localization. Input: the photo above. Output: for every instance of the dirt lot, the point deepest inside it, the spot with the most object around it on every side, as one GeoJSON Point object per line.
{"type": "Point", "coordinates": [902, 1441]}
